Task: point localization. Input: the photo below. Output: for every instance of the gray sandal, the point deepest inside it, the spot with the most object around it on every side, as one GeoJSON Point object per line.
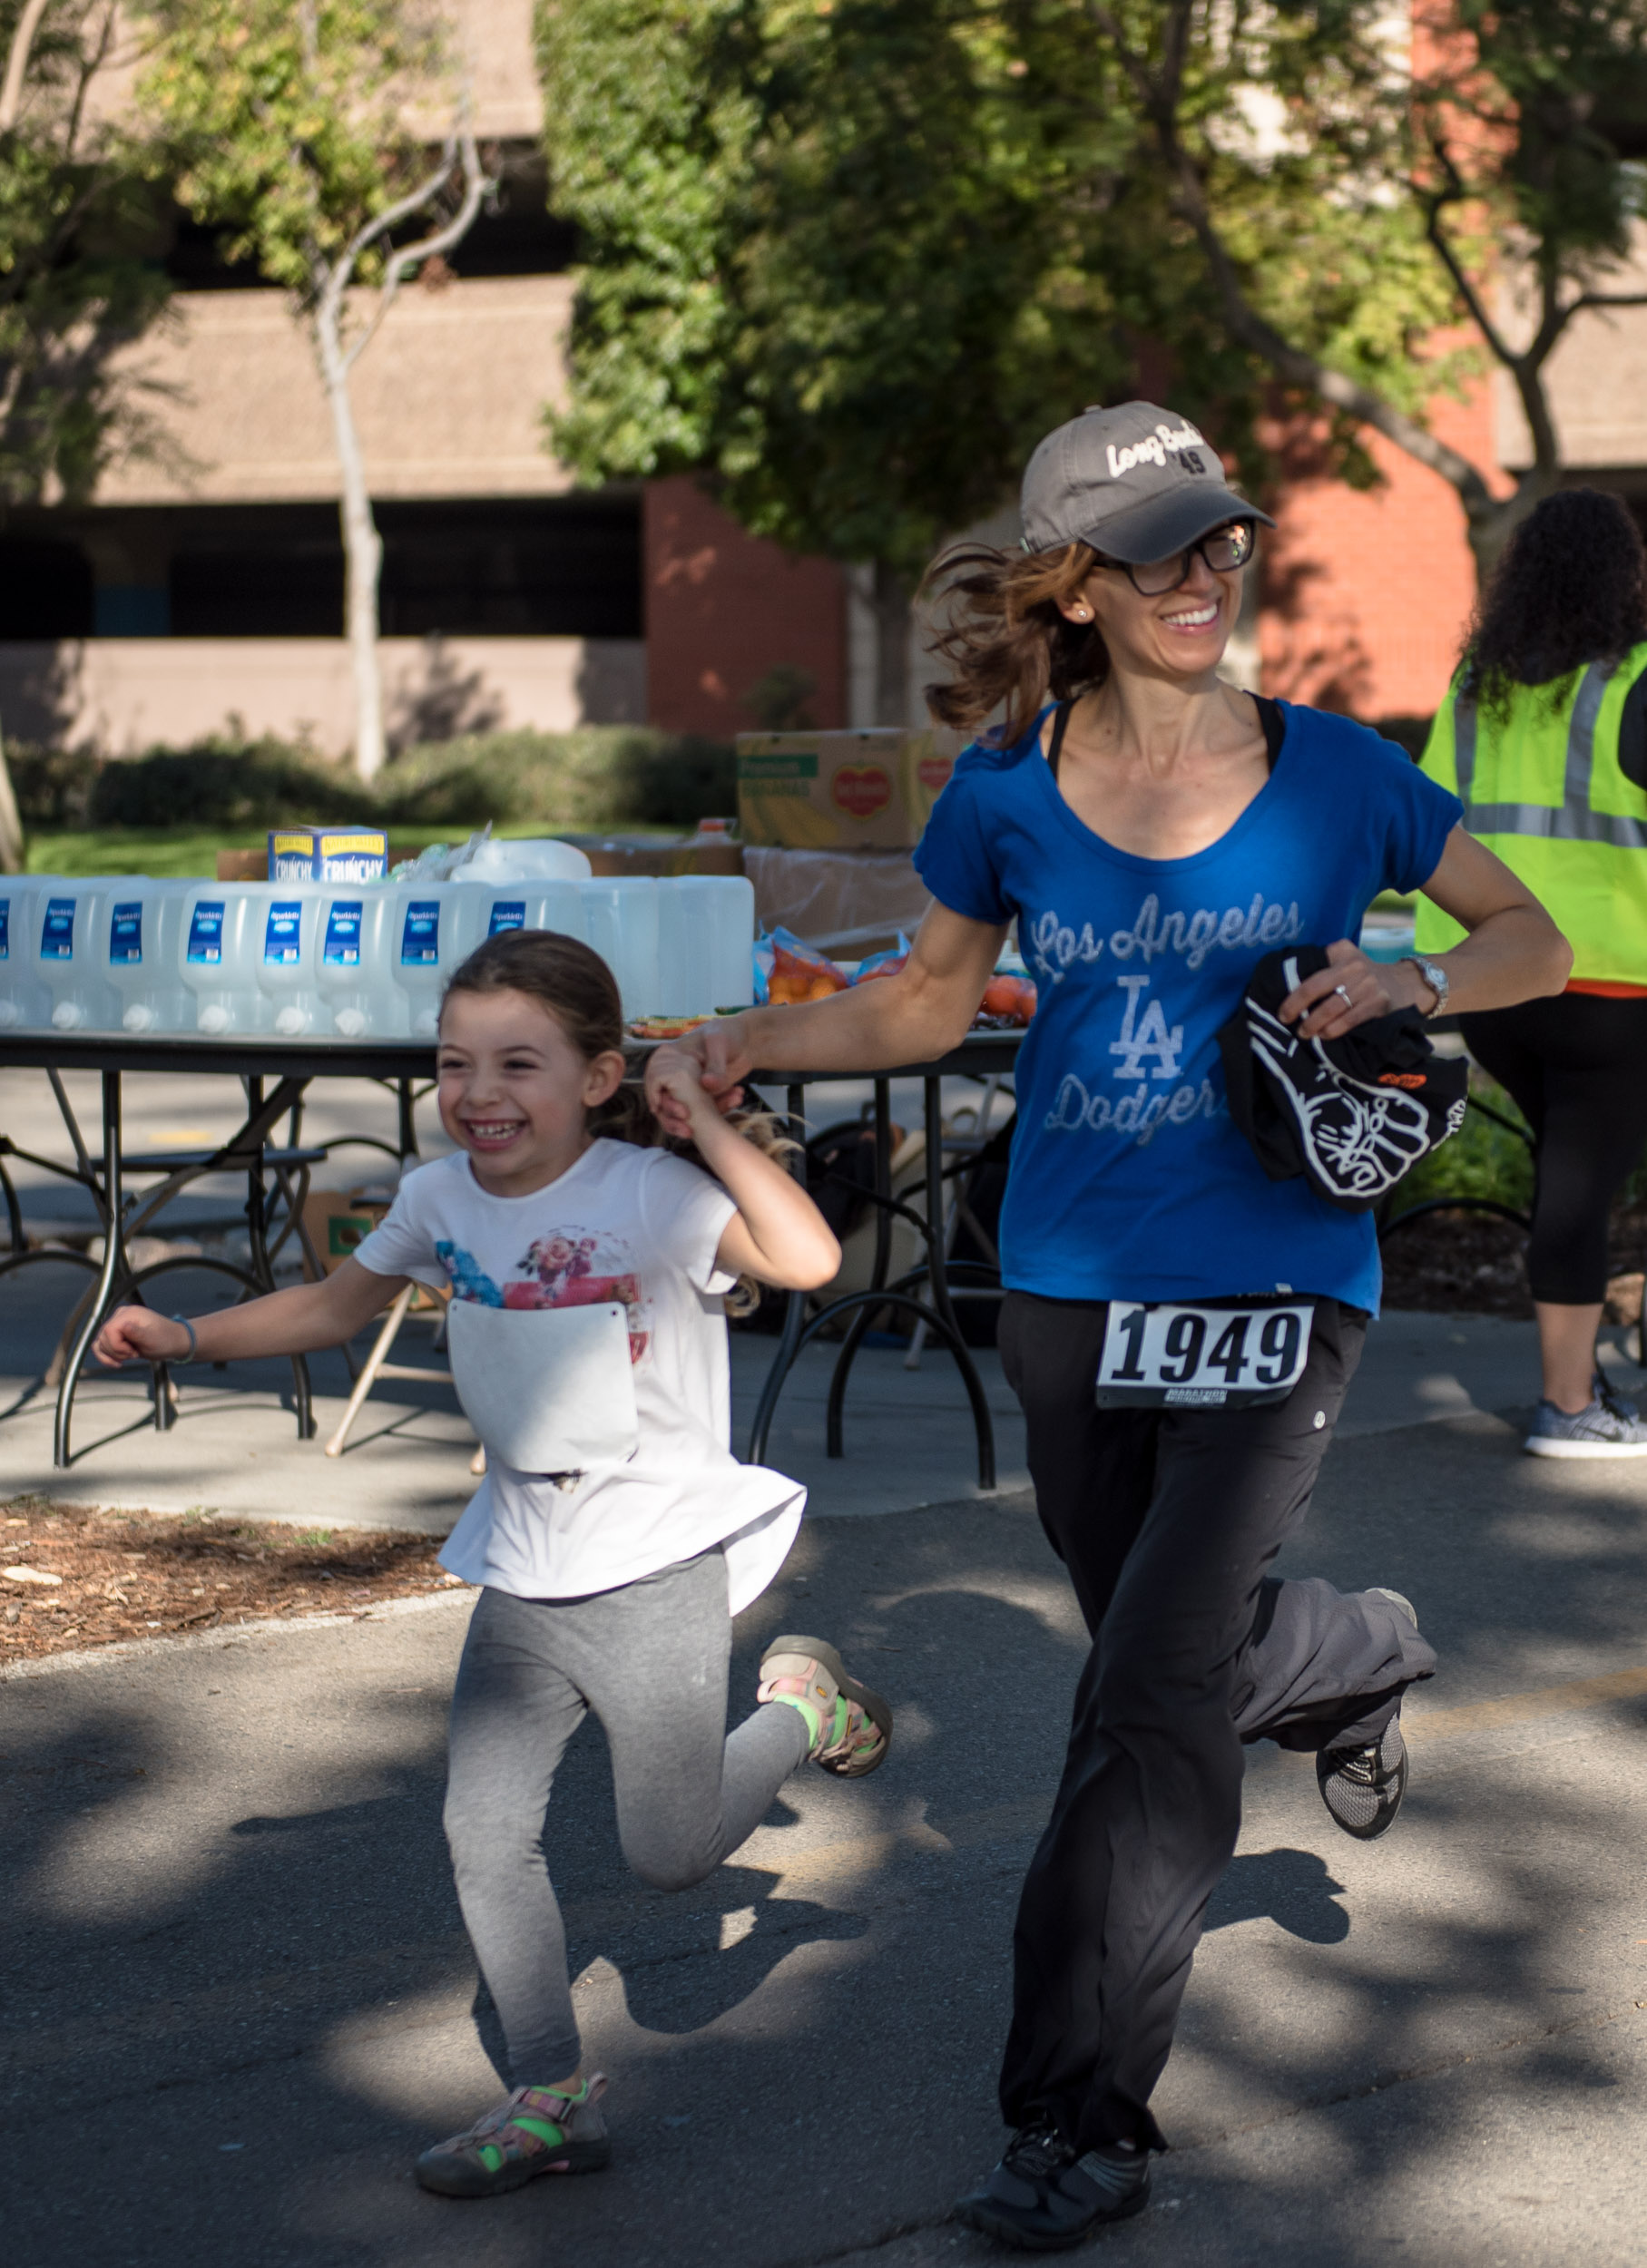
{"type": "Point", "coordinates": [851, 1725]}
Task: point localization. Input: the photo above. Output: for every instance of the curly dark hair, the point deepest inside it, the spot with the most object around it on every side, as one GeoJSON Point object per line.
{"type": "Point", "coordinates": [1571, 588]}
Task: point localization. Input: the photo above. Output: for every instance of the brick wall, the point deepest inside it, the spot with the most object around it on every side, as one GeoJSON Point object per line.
{"type": "Point", "coordinates": [1367, 597]}
{"type": "Point", "coordinates": [724, 608]}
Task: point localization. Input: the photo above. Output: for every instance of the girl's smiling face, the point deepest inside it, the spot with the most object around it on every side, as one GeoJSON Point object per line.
{"type": "Point", "coordinates": [514, 1092]}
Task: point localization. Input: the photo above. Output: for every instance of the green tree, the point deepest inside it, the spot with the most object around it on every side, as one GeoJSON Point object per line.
{"type": "Point", "coordinates": [821, 269]}
{"type": "Point", "coordinates": [77, 273]}
{"type": "Point", "coordinates": [293, 125]}
{"type": "Point", "coordinates": [1507, 155]}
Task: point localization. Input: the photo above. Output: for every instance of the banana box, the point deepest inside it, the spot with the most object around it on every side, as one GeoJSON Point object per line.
{"type": "Point", "coordinates": [841, 790]}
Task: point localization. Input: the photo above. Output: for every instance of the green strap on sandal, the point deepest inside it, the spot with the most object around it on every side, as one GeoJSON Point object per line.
{"type": "Point", "coordinates": [850, 1724]}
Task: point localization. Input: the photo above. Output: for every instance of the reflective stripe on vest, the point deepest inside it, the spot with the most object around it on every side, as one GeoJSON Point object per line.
{"type": "Point", "coordinates": [1572, 821]}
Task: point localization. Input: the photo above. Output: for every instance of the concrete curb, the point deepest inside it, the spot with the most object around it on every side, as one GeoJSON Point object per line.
{"type": "Point", "coordinates": [227, 1633]}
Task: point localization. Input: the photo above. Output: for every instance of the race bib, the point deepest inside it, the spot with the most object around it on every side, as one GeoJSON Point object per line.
{"type": "Point", "coordinates": [1205, 1357]}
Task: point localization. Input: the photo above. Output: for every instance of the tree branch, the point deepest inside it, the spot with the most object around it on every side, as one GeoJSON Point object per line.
{"type": "Point", "coordinates": [17, 63]}
{"type": "Point", "coordinates": [461, 149]}
{"type": "Point", "coordinates": [1434, 204]}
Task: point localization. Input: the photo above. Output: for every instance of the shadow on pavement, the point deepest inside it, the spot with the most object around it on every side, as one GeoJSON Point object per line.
{"type": "Point", "coordinates": [231, 1924]}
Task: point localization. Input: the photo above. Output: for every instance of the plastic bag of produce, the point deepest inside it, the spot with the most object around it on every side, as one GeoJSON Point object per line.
{"type": "Point", "coordinates": [787, 970]}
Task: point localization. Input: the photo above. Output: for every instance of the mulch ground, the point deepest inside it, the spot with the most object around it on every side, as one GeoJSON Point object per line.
{"type": "Point", "coordinates": [145, 1575]}
{"type": "Point", "coordinates": [1471, 1264]}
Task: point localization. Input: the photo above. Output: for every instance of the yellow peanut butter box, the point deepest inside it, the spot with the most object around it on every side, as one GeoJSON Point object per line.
{"type": "Point", "coordinates": [841, 790]}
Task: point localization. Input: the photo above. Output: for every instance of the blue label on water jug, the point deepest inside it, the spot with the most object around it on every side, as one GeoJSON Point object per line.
{"type": "Point", "coordinates": [342, 947]}
{"type": "Point", "coordinates": [507, 914]}
{"type": "Point", "coordinates": [282, 940]}
{"type": "Point", "coordinates": [5, 929]}
{"type": "Point", "coordinates": [206, 933]}
{"type": "Point", "coordinates": [420, 934]}
{"type": "Point", "coordinates": [57, 930]}
{"type": "Point", "coordinates": [126, 934]}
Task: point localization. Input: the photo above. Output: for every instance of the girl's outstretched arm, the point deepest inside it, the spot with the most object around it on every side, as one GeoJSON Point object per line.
{"type": "Point", "coordinates": [296, 1322]}
{"type": "Point", "coordinates": [777, 1233]}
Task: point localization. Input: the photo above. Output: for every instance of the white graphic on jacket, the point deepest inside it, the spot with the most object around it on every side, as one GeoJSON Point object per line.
{"type": "Point", "coordinates": [1359, 1139]}
{"type": "Point", "coordinates": [576, 1268]}
{"type": "Point", "coordinates": [1052, 947]}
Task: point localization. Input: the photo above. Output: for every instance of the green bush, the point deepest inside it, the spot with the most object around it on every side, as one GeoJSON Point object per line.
{"type": "Point", "coordinates": [1409, 732]}
{"type": "Point", "coordinates": [600, 776]}
{"type": "Point", "coordinates": [52, 786]}
{"type": "Point", "coordinates": [221, 784]}
{"type": "Point", "coordinates": [1482, 1160]}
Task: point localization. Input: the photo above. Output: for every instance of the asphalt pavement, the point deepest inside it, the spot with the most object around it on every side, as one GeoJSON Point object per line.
{"type": "Point", "coordinates": [240, 1999]}
{"type": "Point", "coordinates": [236, 1999]}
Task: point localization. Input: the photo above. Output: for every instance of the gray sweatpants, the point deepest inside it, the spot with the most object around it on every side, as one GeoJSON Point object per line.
{"type": "Point", "coordinates": [651, 1661]}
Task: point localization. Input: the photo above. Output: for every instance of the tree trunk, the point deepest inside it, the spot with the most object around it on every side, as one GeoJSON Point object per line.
{"type": "Point", "coordinates": [362, 550]}
{"type": "Point", "coordinates": [11, 826]}
{"type": "Point", "coordinates": [890, 601]}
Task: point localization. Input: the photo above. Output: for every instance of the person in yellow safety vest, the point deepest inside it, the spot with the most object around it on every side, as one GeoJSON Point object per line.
{"type": "Point", "coordinates": [1543, 738]}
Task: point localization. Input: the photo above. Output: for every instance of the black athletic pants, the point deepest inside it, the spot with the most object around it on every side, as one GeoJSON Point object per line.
{"type": "Point", "coordinates": [1577, 1067]}
{"type": "Point", "coordinates": [1167, 1521]}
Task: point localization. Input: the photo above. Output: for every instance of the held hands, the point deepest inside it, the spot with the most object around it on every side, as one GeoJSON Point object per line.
{"type": "Point", "coordinates": [676, 1081]}
{"type": "Point", "coordinates": [137, 1334]}
{"type": "Point", "coordinates": [1352, 990]}
{"type": "Point", "coordinates": [704, 1068]}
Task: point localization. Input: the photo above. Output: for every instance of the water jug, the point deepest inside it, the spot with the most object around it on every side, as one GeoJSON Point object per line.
{"type": "Point", "coordinates": [219, 940]}
{"type": "Point", "coordinates": [706, 933]}
{"type": "Point", "coordinates": [67, 920]}
{"type": "Point", "coordinates": [137, 933]}
{"type": "Point", "coordinates": [427, 941]}
{"type": "Point", "coordinates": [25, 1005]}
{"type": "Point", "coordinates": [621, 921]}
{"type": "Point", "coordinates": [286, 919]}
{"type": "Point", "coordinates": [359, 938]}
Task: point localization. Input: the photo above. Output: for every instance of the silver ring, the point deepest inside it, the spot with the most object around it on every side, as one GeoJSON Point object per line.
{"type": "Point", "coordinates": [1344, 995]}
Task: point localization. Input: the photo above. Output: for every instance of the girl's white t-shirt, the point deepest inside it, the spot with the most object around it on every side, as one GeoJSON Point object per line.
{"type": "Point", "coordinates": [639, 1227]}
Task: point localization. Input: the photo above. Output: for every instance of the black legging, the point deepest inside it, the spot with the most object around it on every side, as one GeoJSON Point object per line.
{"type": "Point", "coordinates": [1577, 1067]}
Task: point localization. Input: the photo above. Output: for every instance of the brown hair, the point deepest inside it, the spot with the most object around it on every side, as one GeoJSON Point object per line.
{"type": "Point", "coordinates": [1005, 637]}
{"type": "Point", "coordinates": [580, 992]}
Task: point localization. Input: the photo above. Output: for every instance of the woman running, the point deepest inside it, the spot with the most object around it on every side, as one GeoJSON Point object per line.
{"type": "Point", "coordinates": [1154, 833]}
{"type": "Point", "coordinates": [1544, 736]}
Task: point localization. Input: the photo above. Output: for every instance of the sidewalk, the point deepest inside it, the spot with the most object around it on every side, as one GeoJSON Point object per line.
{"type": "Point", "coordinates": [908, 1434]}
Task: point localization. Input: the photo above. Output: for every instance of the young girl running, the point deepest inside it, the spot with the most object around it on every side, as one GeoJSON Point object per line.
{"type": "Point", "coordinates": [609, 1584]}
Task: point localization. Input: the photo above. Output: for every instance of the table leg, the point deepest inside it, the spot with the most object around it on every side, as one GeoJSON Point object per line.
{"type": "Point", "coordinates": [937, 1281]}
{"type": "Point", "coordinates": [795, 1317]}
{"type": "Point", "coordinates": [114, 1259]}
{"type": "Point", "coordinates": [834, 1436]}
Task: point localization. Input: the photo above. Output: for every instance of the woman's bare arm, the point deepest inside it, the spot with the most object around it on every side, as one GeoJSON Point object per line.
{"type": "Point", "coordinates": [911, 1018]}
{"type": "Point", "coordinates": [1513, 952]}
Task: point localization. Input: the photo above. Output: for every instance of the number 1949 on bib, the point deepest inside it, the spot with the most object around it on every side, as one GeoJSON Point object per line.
{"type": "Point", "coordinates": [1200, 1357]}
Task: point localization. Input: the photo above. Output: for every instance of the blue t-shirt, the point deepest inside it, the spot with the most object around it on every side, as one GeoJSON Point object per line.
{"type": "Point", "coordinates": [1128, 1177]}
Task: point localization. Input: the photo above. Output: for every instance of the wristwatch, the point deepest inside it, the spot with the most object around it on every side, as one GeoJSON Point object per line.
{"type": "Point", "coordinates": [1435, 976]}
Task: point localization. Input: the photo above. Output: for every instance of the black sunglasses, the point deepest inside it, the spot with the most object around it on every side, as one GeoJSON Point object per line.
{"type": "Point", "coordinates": [1224, 549]}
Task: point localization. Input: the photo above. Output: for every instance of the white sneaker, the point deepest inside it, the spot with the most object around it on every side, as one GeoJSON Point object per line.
{"type": "Point", "coordinates": [1604, 1428]}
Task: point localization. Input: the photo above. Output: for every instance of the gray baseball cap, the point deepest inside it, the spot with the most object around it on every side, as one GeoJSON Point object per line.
{"type": "Point", "coordinates": [1136, 482]}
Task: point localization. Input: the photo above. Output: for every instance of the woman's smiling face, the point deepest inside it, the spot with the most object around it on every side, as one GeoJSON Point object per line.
{"type": "Point", "coordinates": [1180, 634]}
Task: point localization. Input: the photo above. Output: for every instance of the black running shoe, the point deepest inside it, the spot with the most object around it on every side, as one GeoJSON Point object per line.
{"type": "Point", "coordinates": [1363, 1787]}
{"type": "Point", "coordinates": [1043, 2196]}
